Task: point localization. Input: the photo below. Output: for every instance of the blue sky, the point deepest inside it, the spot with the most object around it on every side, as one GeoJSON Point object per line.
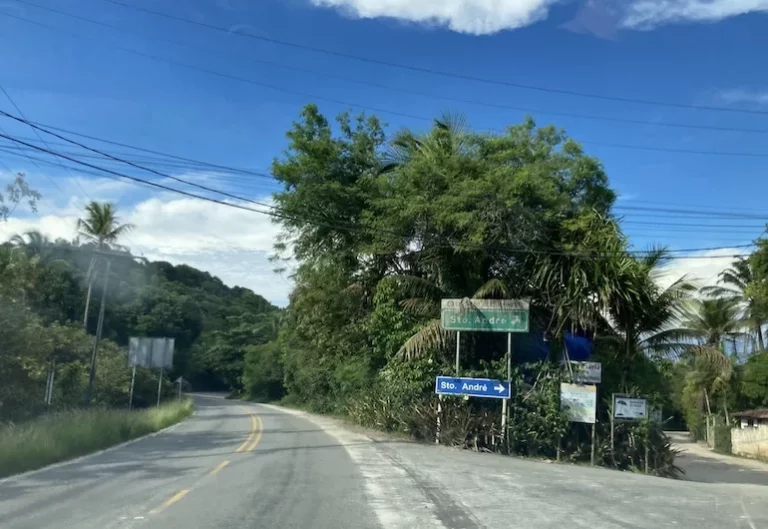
{"type": "Point", "coordinates": [686, 52]}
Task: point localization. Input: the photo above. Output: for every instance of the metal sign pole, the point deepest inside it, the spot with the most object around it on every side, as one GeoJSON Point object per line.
{"type": "Point", "coordinates": [133, 381]}
{"type": "Point", "coordinates": [458, 345]}
{"type": "Point", "coordinates": [505, 402]}
{"type": "Point", "coordinates": [181, 380]}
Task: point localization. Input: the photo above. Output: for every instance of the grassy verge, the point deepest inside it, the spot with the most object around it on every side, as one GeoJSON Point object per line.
{"type": "Point", "coordinates": [60, 436]}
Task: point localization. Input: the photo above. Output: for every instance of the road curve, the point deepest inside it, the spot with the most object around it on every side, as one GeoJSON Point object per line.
{"type": "Point", "coordinates": [230, 465]}
{"type": "Point", "coordinates": [237, 465]}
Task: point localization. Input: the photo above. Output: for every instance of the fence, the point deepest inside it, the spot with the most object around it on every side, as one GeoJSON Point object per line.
{"type": "Point", "coordinates": [750, 441]}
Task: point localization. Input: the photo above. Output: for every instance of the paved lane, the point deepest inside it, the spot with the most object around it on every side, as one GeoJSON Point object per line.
{"type": "Point", "coordinates": [236, 465]}
{"type": "Point", "coordinates": [231, 465]}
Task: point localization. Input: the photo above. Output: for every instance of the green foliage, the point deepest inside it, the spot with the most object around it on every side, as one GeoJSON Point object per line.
{"type": "Point", "coordinates": [64, 435]}
{"type": "Point", "coordinates": [754, 381]}
{"type": "Point", "coordinates": [15, 193]}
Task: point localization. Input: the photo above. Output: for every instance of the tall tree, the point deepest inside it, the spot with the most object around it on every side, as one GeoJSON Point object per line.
{"type": "Point", "coordinates": [734, 284]}
{"type": "Point", "coordinates": [100, 227]}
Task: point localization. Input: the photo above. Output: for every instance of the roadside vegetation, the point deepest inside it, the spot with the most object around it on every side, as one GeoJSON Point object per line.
{"type": "Point", "coordinates": [377, 227]}
{"type": "Point", "coordinates": [64, 435]}
{"type": "Point", "coordinates": [383, 225]}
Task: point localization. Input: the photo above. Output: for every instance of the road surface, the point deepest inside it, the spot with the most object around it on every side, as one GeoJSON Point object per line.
{"type": "Point", "coordinates": [235, 465]}
{"type": "Point", "coordinates": [702, 464]}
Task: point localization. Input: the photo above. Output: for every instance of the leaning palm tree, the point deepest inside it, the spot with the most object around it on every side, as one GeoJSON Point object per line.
{"type": "Point", "coordinates": [733, 283]}
{"type": "Point", "coordinates": [100, 227]}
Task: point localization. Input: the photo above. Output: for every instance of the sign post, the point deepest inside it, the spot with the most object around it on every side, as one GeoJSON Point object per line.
{"type": "Point", "coordinates": [472, 387]}
{"type": "Point", "coordinates": [150, 352]}
{"type": "Point", "coordinates": [484, 315]}
{"type": "Point", "coordinates": [580, 403]}
{"type": "Point", "coordinates": [133, 382]}
{"type": "Point", "coordinates": [625, 408]}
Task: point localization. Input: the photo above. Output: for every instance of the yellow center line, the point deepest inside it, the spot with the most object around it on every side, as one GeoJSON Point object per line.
{"type": "Point", "coordinates": [252, 434]}
{"type": "Point", "coordinates": [257, 437]}
{"type": "Point", "coordinates": [219, 468]}
{"type": "Point", "coordinates": [170, 501]}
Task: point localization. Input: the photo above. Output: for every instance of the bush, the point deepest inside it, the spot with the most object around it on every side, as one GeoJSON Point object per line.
{"type": "Point", "coordinates": [65, 435]}
{"type": "Point", "coordinates": [722, 437]}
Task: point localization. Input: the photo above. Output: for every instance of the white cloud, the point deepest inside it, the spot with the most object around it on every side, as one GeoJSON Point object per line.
{"type": "Point", "coordinates": [647, 14]}
{"type": "Point", "coordinates": [702, 269]}
{"type": "Point", "coordinates": [231, 244]}
{"type": "Point", "coordinates": [742, 95]}
{"type": "Point", "coordinates": [478, 17]}
{"type": "Point", "coordinates": [484, 17]}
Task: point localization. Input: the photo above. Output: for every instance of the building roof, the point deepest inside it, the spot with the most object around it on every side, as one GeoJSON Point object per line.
{"type": "Point", "coordinates": [753, 414]}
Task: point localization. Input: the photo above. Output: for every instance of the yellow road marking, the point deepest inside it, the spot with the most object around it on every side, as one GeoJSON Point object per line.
{"type": "Point", "coordinates": [219, 468]}
{"type": "Point", "coordinates": [257, 437]}
{"type": "Point", "coordinates": [254, 426]}
{"type": "Point", "coordinates": [170, 501]}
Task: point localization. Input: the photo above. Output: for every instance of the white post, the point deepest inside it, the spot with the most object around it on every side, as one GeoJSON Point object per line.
{"type": "Point", "coordinates": [133, 381]}
{"type": "Point", "coordinates": [47, 385]}
{"type": "Point", "coordinates": [458, 346]}
{"type": "Point", "coordinates": [53, 377]}
{"type": "Point", "coordinates": [505, 402]}
{"type": "Point", "coordinates": [181, 380]}
{"type": "Point", "coordinates": [159, 385]}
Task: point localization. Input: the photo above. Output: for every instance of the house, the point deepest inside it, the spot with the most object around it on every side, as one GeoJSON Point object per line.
{"type": "Point", "coordinates": [750, 438]}
{"type": "Point", "coordinates": [752, 418]}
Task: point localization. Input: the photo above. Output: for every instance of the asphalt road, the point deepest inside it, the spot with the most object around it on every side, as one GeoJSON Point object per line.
{"type": "Point", "coordinates": [236, 465]}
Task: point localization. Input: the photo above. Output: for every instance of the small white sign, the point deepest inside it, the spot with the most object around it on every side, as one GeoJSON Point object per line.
{"type": "Point", "coordinates": [630, 408]}
{"type": "Point", "coordinates": [587, 372]}
{"type": "Point", "coordinates": [579, 402]}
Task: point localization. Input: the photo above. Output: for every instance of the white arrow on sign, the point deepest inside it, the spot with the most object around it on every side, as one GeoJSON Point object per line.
{"type": "Point", "coordinates": [499, 388]}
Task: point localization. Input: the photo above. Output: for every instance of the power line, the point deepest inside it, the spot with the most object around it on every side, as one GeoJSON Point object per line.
{"type": "Point", "coordinates": [280, 215]}
{"type": "Point", "coordinates": [435, 71]}
{"type": "Point", "coordinates": [711, 213]}
{"type": "Point", "coordinates": [8, 96]}
{"type": "Point", "coordinates": [311, 96]}
{"type": "Point", "coordinates": [405, 90]}
{"type": "Point", "coordinates": [114, 158]}
{"type": "Point", "coordinates": [706, 226]}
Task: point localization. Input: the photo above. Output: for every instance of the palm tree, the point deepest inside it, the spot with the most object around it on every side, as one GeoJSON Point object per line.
{"type": "Point", "coordinates": [711, 322]}
{"type": "Point", "coordinates": [34, 243]}
{"type": "Point", "coordinates": [734, 281]}
{"type": "Point", "coordinates": [101, 227]}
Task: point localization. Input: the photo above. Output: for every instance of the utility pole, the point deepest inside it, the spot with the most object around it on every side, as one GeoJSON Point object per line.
{"type": "Point", "coordinates": [99, 328]}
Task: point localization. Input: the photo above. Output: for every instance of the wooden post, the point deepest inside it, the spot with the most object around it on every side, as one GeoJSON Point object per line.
{"type": "Point", "coordinates": [592, 454]}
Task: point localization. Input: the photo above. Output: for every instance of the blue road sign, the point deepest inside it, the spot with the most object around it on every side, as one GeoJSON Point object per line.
{"type": "Point", "coordinates": [473, 387]}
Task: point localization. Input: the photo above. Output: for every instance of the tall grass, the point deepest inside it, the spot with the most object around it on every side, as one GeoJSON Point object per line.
{"type": "Point", "coordinates": [65, 435]}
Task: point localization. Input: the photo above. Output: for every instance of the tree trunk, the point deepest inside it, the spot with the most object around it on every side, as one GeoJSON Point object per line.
{"type": "Point", "coordinates": [90, 276]}
{"type": "Point", "coordinates": [759, 332]}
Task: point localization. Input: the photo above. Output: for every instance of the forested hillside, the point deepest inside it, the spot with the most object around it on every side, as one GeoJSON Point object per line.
{"type": "Point", "coordinates": [44, 291]}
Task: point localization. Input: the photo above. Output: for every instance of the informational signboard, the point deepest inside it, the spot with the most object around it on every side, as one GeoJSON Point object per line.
{"type": "Point", "coordinates": [151, 352]}
{"type": "Point", "coordinates": [579, 402]}
{"type": "Point", "coordinates": [484, 315]}
{"type": "Point", "coordinates": [587, 372]}
{"type": "Point", "coordinates": [473, 387]}
{"type": "Point", "coordinates": [629, 408]}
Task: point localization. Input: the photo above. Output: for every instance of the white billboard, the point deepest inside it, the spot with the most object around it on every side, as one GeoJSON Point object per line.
{"type": "Point", "coordinates": [151, 352]}
{"type": "Point", "coordinates": [629, 408]}
{"type": "Point", "coordinates": [579, 402]}
{"type": "Point", "coordinates": [587, 372]}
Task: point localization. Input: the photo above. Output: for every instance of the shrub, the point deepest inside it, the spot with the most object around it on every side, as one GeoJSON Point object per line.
{"type": "Point", "coordinates": [65, 435]}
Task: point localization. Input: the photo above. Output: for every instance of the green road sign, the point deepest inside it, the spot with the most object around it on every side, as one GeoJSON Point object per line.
{"type": "Point", "coordinates": [484, 315]}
